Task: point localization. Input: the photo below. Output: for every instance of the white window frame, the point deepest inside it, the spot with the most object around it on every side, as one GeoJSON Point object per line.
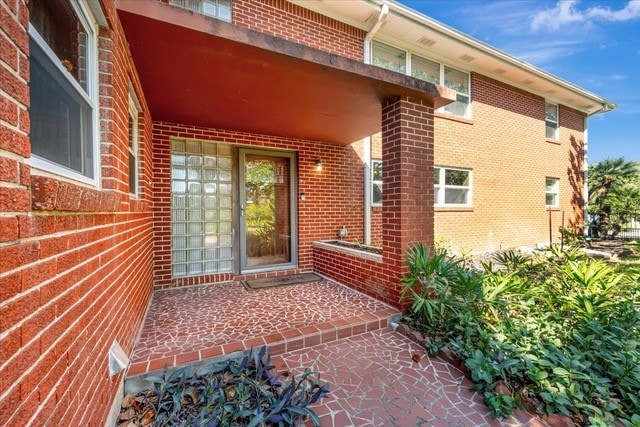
{"type": "Point", "coordinates": [389, 48]}
{"type": "Point", "coordinates": [409, 71]}
{"type": "Point", "coordinates": [374, 181]}
{"type": "Point", "coordinates": [554, 191]}
{"type": "Point", "coordinates": [458, 94]}
{"type": "Point", "coordinates": [439, 189]}
{"type": "Point", "coordinates": [199, 7]}
{"type": "Point", "coordinates": [556, 122]}
{"type": "Point", "coordinates": [88, 21]}
{"type": "Point", "coordinates": [133, 146]}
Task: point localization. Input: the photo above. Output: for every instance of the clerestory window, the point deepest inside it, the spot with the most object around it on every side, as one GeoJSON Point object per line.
{"type": "Point", "coordinates": [399, 60]}
{"type": "Point", "coordinates": [220, 9]}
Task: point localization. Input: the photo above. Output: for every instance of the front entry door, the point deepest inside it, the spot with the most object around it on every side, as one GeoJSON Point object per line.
{"type": "Point", "coordinates": [267, 199]}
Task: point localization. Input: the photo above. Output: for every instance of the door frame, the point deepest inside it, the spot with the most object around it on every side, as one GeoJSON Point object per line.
{"type": "Point", "coordinates": [293, 210]}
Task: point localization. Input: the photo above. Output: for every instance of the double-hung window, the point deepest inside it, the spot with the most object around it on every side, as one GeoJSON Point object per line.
{"type": "Point", "coordinates": [63, 88]}
{"type": "Point", "coordinates": [458, 81]}
{"type": "Point", "coordinates": [551, 120]}
{"type": "Point", "coordinates": [220, 9]}
{"type": "Point", "coordinates": [401, 61]}
{"type": "Point", "coordinates": [452, 187]}
{"type": "Point", "coordinates": [552, 187]}
{"type": "Point", "coordinates": [376, 182]}
{"type": "Point", "coordinates": [133, 143]}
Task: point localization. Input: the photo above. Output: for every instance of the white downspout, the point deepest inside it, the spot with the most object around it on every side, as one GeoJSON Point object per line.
{"type": "Point", "coordinates": [384, 11]}
{"type": "Point", "coordinates": [605, 108]}
{"type": "Point", "coordinates": [585, 191]}
{"type": "Point", "coordinates": [367, 190]}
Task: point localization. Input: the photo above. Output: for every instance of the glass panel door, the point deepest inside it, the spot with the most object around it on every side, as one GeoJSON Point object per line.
{"type": "Point", "coordinates": [267, 203]}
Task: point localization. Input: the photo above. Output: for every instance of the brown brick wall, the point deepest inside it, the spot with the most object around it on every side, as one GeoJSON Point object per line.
{"type": "Point", "coordinates": [75, 260]}
{"type": "Point", "coordinates": [295, 23]}
{"type": "Point", "coordinates": [504, 144]}
{"type": "Point", "coordinates": [333, 197]}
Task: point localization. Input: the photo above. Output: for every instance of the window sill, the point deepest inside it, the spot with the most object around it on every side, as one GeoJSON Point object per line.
{"type": "Point", "coordinates": [52, 194]}
{"type": "Point", "coordinates": [453, 208]}
{"type": "Point", "coordinates": [453, 118]}
{"type": "Point", "coordinates": [553, 141]}
{"type": "Point", "coordinates": [376, 208]}
{"type": "Point", "coordinates": [552, 208]}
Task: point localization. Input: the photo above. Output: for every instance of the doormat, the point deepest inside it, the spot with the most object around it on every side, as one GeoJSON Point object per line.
{"type": "Point", "coordinates": [270, 282]}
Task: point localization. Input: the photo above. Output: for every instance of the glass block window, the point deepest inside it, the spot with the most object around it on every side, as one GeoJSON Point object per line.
{"type": "Point", "coordinates": [452, 187]}
{"type": "Point", "coordinates": [220, 9]}
{"type": "Point", "coordinates": [201, 208]}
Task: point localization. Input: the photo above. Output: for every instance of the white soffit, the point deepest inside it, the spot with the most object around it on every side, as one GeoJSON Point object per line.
{"type": "Point", "coordinates": [404, 28]}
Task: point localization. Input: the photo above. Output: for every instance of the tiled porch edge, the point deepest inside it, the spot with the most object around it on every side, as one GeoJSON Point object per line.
{"type": "Point", "coordinates": [277, 343]}
{"type": "Point", "coordinates": [308, 315]}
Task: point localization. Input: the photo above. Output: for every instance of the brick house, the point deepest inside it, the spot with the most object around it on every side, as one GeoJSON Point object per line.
{"type": "Point", "coordinates": [154, 144]}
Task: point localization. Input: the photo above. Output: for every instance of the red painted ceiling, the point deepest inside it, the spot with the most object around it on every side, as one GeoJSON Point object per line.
{"type": "Point", "coordinates": [200, 71]}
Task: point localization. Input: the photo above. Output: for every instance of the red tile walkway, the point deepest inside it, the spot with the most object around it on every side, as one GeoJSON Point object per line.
{"type": "Point", "coordinates": [323, 326]}
{"type": "Point", "coordinates": [192, 324]}
{"type": "Point", "coordinates": [374, 382]}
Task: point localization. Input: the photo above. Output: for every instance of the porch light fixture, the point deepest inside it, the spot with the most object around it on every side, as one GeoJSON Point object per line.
{"type": "Point", "coordinates": [318, 165]}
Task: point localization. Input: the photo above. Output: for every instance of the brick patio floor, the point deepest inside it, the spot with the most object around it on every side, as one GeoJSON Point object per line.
{"type": "Point", "coordinates": [324, 326]}
{"type": "Point", "coordinates": [196, 323]}
{"type": "Point", "coordinates": [374, 382]}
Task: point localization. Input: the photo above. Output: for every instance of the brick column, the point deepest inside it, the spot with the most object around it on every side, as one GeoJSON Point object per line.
{"type": "Point", "coordinates": [407, 156]}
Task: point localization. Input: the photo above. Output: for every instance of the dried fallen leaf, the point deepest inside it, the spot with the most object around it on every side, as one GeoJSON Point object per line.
{"type": "Point", "coordinates": [231, 393]}
{"type": "Point", "coordinates": [190, 398]}
{"type": "Point", "coordinates": [416, 357]}
{"type": "Point", "coordinates": [148, 417]}
{"type": "Point", "coordinates": [285, 374]}
{"type": "Point", "coordinates": [128, 400]}
{"type": "Point", "coordinates": [127, 415]}
{"type": "Point", "coordinates": [194, 395]}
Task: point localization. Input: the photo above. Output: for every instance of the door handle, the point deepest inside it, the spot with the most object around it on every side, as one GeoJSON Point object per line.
{"type": "Point", "coordinates": [241, 210]}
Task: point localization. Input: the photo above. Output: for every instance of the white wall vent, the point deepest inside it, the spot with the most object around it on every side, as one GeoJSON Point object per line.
{"type": "Point", "coordinates": [118, 359]}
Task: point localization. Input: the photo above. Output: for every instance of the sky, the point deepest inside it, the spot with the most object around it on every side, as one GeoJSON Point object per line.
{"type": "Point", "coordinates": [591, 43]}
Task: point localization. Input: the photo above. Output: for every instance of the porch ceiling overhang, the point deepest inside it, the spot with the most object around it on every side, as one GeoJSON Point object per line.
{"type": "Point", "coordinates": [201, 71]}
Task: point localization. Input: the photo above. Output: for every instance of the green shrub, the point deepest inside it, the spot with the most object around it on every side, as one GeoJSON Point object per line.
{"type": "Point", "coordinates": [560, 331]}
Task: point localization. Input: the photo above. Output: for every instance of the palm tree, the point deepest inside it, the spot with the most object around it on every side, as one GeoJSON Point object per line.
{"type": "Point", "coordinates": [604, 176]}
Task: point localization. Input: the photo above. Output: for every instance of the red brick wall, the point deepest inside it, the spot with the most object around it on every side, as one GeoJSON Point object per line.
{"type": "Point", "coordinates": [365, 275]}
{"type": "Point", "coordinates": [291, 22]}
{"type": "Point", "coordinates": [407, 211]}
{"type": "Point", "coordinates": [504, 144]}
{"type": "Point", "coordinates": [75, 260]}
{"type": "Point", "coordinates": [333, 197]}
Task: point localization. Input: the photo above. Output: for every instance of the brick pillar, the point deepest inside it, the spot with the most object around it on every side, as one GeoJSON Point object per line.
{"type": "Point", "coordinates": [407, 158]}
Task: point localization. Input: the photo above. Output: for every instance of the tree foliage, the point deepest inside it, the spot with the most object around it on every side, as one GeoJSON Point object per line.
{"type": "Point", "coordinates": [614, 193]}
